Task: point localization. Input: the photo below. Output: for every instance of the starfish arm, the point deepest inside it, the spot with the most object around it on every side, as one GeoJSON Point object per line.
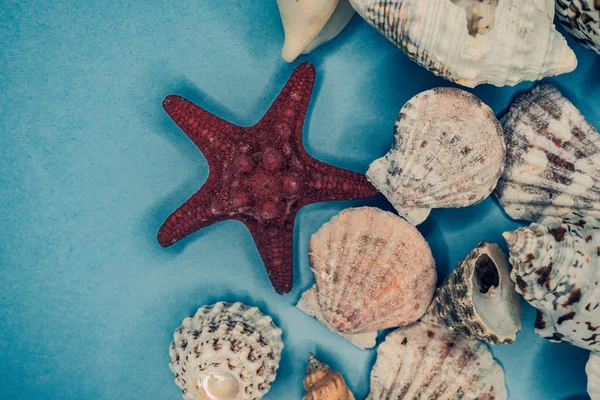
{"type": "Point", "coordinates": [275, 245]}
{"type": "Point", "coordinates": [200, 210]}
{"type": "Point", "coordinates": [210, 133]}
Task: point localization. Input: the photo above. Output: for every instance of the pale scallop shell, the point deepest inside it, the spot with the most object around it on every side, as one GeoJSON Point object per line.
{"type": "Point", "coordinates": [592, 370]}
{"type": "Point", "coordinates": [226, 352]}
{"type": "Point", "coordinates": [425, 361]}
{"type": "Point", "coordinates": [471, 42]}
{"type": "Point", "coordinates": [552, 158]}
{"type": "Point", "coordinates": [555, 268]}
{"type": "Point", "coordinates": [372, 270]}
{"type": "Point", "coordinates": [448, 151]}
{"type": "Point", "coordinates": [322, 383]}
{"type": "Point", "coordinates": [478, 299]}
{"type": "Point", "coordinates": [581, 18]}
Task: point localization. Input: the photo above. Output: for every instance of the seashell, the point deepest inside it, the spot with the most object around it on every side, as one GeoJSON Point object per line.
{"type": "Point", "coordinates": [372, 271]}
{"type": "Point", "coordinates": [498, 42]}
{"type": "Point", "coordinates": [309, 23]}
{"type": "Point", "coordinates": [226, 352]}
{"type": "Point", "coordinates": [321, 383]}
{"type": "Point", "coordinates": [423, 361]}
{"type": "Point", "coordinates": [592, 370]}
{"type": "Point", "coordinates": [555, 266]}
{"type": "Point", "coordinates": [581, 18]}
{"type": "Point", "coordinates": [309, 303]}
{"type": "Point", "coordinates": [552, 158]}
{"type": "Point", "coordinates": [478, 299]}
{"type": "Point", "coordinates": [448, 151]}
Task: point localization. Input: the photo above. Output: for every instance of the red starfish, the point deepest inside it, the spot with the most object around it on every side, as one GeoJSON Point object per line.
{"type": "Point", "coordinates": [259, 175]}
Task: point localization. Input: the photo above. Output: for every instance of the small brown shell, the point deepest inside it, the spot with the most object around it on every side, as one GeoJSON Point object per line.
{"type": "Point", "coordinates": [321, 383]}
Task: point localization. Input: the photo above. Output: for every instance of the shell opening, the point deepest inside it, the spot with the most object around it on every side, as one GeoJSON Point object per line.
{"type": "Point", "coordinates": [218, 386]}
{"type": "Point", "coordinates": [486, 275]}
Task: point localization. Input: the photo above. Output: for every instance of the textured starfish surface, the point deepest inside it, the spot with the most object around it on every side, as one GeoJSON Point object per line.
{"type": "Point", "coordinates": [259, 175]}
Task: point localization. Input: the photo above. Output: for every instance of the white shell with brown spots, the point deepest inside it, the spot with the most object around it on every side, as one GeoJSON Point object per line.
{"type": "Point", "coordinates": [471, 42]}
{"type": "Point", "coordinates": [226, 352]}
{"type": "Point", "coordinates": [581, 18]}
{"type": "Point", "coordinates": [425, 361]}
{"type": "Point", "coordinates": [372, 270]}
{"type": "Point", "coordinates": [448, 152]}
{"type": "Point", "coordinates": [556, 267]}
{"type": "Point", "coordinates": [552, 158]}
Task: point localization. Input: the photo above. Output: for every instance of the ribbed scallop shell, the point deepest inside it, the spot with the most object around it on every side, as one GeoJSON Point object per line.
{"type": "Point", "coordinates": [471, 42]}
{"type": "Point", "coordinates": [448, 151]}
{"type": "Point", "coordinates": [581, 18]}
{"type": "Point", "coordinates": [425, 361]}
{"type": "Point", "coordinates": [226, 352]}
{"type": "Point", "coordinates": [478, 299]}
{"type": "Point", "coordinates": [322, 383]}
{"type": "Point", "coordinates": [372, 270]}
{"type": "Point", "coordinates": [556, 269]}
{"type": "Point", "coordinates": [592, 369]}
{"type": "Point", "coordinates": [552, 158]}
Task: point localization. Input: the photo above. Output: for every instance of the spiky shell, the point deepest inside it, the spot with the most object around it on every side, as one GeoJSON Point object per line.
{"type": "Point", "coordinates": [552, 158]}
{"type": "Point", "coordinates": [592, 370]}
{"type": "Point", "coordinates": [581, 18]}
{"type": "Point", "coordinates": [556, 269]}
{"type": "Point", "coordinates": [498, 42]}
{"type": "Point", "coordinates": [322, 383]}
{"type": "Point", "coordinates": [310, 23]}
{"type": "Point", "coordinates": [372, 270]}
{"type": "Point", "coordinates": [478, 299]}
{"type": "Point", "coordinates": [226, 352]}
{"type": "Point", "coordinates": [423, 361]}
{"type": "Point", "coordinates": [448, 151]}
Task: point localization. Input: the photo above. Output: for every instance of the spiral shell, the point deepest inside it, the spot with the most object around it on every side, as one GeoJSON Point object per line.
{"type": "Point", "coordinates": [321, 383]}
{"type": "Point", "coordinates": [581, 18]}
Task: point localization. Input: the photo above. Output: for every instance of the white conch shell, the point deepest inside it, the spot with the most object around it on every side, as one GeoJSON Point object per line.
{"type": "Point", "coordinates": [471, 42]}
{"type": "Point", "coordinates": [310, 23]}
{"type": "Point", "coordinates": [556, 269]}
{"type": "Point", "coordinates": [581, 18]}
{"type": "Point", "coordinates": [372, 271]}
{"type": "Point", "coordinates": [423, 361]}
{"type": "Point", "coordinates": [322, 383]}
{"type": "Point", "coordinates": [226, 352]}
{"type": "Point", "coordinates": [448, 151]}
{"type": "Point", "coordinates": [552, 158]}
{"type": "Point", "coordinates": [592, 370]}
{"type": "Point", "coordinates": [478, 299]}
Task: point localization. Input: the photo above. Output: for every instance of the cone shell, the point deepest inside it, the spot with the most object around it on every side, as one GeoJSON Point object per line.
{"type": "Point", "coordinates": [592, 369]}
{"type": "Point", "coordinates": [372, 270]}
{"type": "Point", "coordinates": [555, 266]}
{"type": "Point", "coordinates": [321, 383]}
{"type": "Point", "coordinates": [581, 18]}
{"type": "Point", "coordinates": [310, 23]}
{"type": "Point", "coordinates": [448, 151]}
{"type": "Point", "coordinates": [425, 361]}
{"type": "Point", "coordinates": [502, 42]}
{"type": "Point", "coordinates": [478, 299]}
{"type": "Point", "coordinates": [226, 352]}
{"type": "Point", "coordinates": [552, 159]}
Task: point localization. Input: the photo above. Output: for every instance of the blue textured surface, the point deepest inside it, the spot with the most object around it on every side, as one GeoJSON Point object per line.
{"type": "Point", "coordinates": [90, 166]}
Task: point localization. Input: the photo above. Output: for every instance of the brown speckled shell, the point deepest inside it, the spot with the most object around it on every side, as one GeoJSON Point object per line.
{"type": "Point", "coordinates": [581, 18]}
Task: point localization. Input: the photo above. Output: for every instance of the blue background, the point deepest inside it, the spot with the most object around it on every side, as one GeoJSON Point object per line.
{"type": "Point", "coordinates": [91, 166]}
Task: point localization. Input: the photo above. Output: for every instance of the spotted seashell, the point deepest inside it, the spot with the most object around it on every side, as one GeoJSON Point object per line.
{"type": "Point", "coordinates": [552, 158]}
{"type": "Point", "coordinates": [423, 361]}
{"type": "Point", "coordinates": [322, 383]}
{"type": "Point", "coordinates": [478, 299]}
{"type": "Point", "coordinates": [470, 42]}
{"type": "Point", "coordinates": [226, 352]}
{"type": "Point", "coordinates": [448, 151]}
{"type": "Point", "coordinates": [581, 18]}
{"type": "Point", "coordinates": [556, 269]}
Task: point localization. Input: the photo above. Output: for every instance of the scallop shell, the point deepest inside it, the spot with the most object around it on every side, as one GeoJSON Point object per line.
{"type": "Point", "coordinates": [226, 352]}
{"type": "Point", "coordinates": [448, 151]}
{"type": "Point", "coordinates": [321, 383]}
{"type": "Point", "coordinates": [309, 23]}
{"type": "Point", "coordinates": [425, 361]}
{"type": "Point", "coordinates": [592, 369]}
{"type": "Point", "coordinates": [478, 299]}
{"type": "Point", "coordinates": [581, 18]}
{"type": "Point", "coordinates": [555, 266]}
{"type": "Point", "coordinates": [372, 270]}
{"type": "Point", "coordinates": [498, 42]}
{"type": "Point", "coordinates": [552, 158]}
